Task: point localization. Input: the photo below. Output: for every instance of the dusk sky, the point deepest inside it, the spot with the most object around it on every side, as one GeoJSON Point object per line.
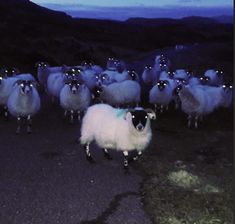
{"type": "Point", "coordinates": [104, 9]}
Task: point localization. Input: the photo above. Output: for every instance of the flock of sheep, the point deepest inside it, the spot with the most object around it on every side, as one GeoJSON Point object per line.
{"type": "Point", "coordinates": [109, 99]}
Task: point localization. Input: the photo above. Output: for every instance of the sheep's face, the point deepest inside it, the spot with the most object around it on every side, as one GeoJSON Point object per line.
{"type": "Point", "coordinates": [205, 80]}
{"type": "Point", "coordinates": [87, 65]}
{"type": "Point", "coordinates": [41, 65]}
{"type": "Point", "coordinates": [112, 64]}
{"type": "Point", "coordinates": [97, 91]}
{"type": "Point", "coordinates": [189, 73]}
{"type": "Point", "coordinates": [133, 75]}
{"type": "Point", "coordinates": [74, 73]}
{"type": "Point", "coordinates": [227, 87]}
{"type": "Point", "coordinates": [171, 74]}
{"type": "Point", "coordinates": [8, 72]}
{"type": "Point", "coordinates": [177, 90]}
{"type": "Point", "coordinates": [74, 85]}
{"type": "Point", "coordinates": [102, 78]}
{"type": "Point", "coordinates": [25, 86]}
{"type": "Point", "coordinates": [162, 84]}
{"type": "Point", "coordinates": [140, 118]}
{"type": "Point", "coordinates": [181, 81]}
{"type": "Point", "coordinates": [219, 73]}
{"type": "Point", "coordinates": [148, 67]}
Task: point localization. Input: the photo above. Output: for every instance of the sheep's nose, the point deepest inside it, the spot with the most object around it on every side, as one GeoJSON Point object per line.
{"type": "Point", "coordinates": [140, 127]}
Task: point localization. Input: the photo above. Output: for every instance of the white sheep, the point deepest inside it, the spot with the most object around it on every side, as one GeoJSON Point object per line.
{"type": "Point", "coordinates": [44, 70]}
{"type": "Point", "coordinates": [182, 76]}
{"type": "Point", "coordinates": [199, 100]}
{"type": "Point", "coordinates": [149, 75]}
{"type": "Point", "coordinates": [120, 129]}
{"type": "Point", "coordinates": [213, 77]}
{"type": "Point", "coordinates": [121, 93]}
{"type": "Point", "coordinates": [24, 102]}
{"type": "Point", "coordinates": [162, 63]}
{"type": "Point", "coordinates": [90, 65]}
{"type": "Point", "coordinates": [75, 97]}
{"type": "Point", "coordinates": [161, 94]}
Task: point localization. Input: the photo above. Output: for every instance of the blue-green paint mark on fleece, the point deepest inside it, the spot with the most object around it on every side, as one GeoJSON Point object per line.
{"type": "Point", "coordinates": [120, 113]}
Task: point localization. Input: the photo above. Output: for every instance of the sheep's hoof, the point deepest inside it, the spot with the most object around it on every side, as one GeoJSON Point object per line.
{"type": "Point", "coordinates": [90, 159]}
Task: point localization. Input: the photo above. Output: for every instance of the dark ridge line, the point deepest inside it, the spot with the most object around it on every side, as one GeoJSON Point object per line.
{"type": "Point", "coordinates": [114, 204]}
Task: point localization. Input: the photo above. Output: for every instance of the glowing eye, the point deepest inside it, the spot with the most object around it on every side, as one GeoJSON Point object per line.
{"type": "Point", "coordinates": [73, 70]}
{"type": "Point", "coordinates": [103, 77]}
{"type": "Point", "coordinates": [201, 78]}
{"type": "Point", "coordinates": [133, 116]}
{"type": "Point", "coordinates": [224, 86]}
{"type": "Point", "coordinates": [0, 78]}
{"type": "Point", "coordinates": [164, 84]}
{"type": "Point", "coordinates": [146, 117]}
{"type": "Point", "coordinates": [31, 85]}
{"type": "Point", "coordinates": [22, 85]}
{"type": "Point", "coordinates": [158, 84]}
{"type": "Point", "coordinates": [230, 87]}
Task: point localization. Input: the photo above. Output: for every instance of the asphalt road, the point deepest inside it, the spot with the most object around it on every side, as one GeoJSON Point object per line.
{"type": "Point", "coordinates": [45, 178]}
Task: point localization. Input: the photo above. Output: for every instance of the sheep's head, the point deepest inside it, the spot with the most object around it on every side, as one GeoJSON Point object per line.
{"type": "Point", "coordinates": [102, 79]}
{"type": "Point", "coordinates": [177, 90]}
{"type": "Point", "coordinates": [171, 74]}
{"type": "Point", "coordinates": [25, 86]}
{"type": "Point", "coordinates": [148, 67]}
{"type": "Point", "coordinates": [41, 64]}
{"type": "Point", "coordinates": [205, 79]}
{"type": "Point", "coordinates": [8, 72]}
{"type": "Point", "coordinates": [112, 64]}
{"type": "Point", "coordinates": [74, 73]}
{"type": "Point", "coordinates": [97, 91]}
{"type": "Point", "coordinates": [189, 73]}
{"type": "Point", "coordinates": [162, 84]}
{"type": "Point", "coordinates": [219, 73]}
{"type": "Point", "coordinates": [227, 87]}
{"type": "Point", "coordinates": [87, 65]}
{"type": "Point", "coordinates": [181, 81]}
{"type": "Point", "coordinates": [132, 74]}
{"type": "Point", "coordinates": [139, 117]}
{"type": "Point", "coordinates": [73, 85]}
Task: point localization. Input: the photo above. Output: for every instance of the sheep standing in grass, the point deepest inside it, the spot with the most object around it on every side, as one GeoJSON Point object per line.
{"type": "Point", "coordinates": [120, 93]}
{"type": "Point", "coordinates": [75, 97]}
{"type": "Point", "coordinates": [123, 130]}
{"type": "Point", "coordinates": [200, 100]}
{"type": "Point", "coordinates": [24, 102]}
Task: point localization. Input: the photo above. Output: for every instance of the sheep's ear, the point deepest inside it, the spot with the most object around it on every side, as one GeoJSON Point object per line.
{"type": "Point", "coordinates": [128, 114]}
{"type": "Point", "coordinates": [17, 82]}
{"type": "Point", "coordinates": [151, 114]}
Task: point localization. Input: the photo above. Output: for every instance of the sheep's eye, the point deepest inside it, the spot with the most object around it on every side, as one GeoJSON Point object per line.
{"type": "Point", "coordinates": [31, 85]}
{"type": "Point", "coordinates": [146, 117]}
{"type": "Point", "coordinates": [158, 84]}
{"type": "Point", "coordinates": [224, 86]}
{"type": "Point", "coordinates": [22, 85]}
{"type": "Point", "coordinates": [0, 78]}
{"type": "Point", "coordinates": [164, 84]}
{"type": "Point", "coordinates": [133, 116]}
{"type": "Point", "coordinates": [230, 87]}
{"type": "Point", "coordinates": [103, 77]}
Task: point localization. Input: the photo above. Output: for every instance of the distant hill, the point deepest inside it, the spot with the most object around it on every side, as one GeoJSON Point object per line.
{"type": "Point", "coordinates": [224, 19]}
{"type": "Point", "coordinates": [30, 33]}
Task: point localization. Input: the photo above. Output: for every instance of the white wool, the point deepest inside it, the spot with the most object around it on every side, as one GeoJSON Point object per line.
{"type": "Point", "coordinates": [79, 101]}
{"type": "Point", "coordinates": [199, 99]}
{"type": "Point", "coordinates": [163, 97]}
{"type": "Point", "coordinates": [215, 80]}
{"type": "Point", "coordinates": [55, 83]}
{"type": "Point", "coordinates": [23, 104]}
{"type": "Point", "coordinates": [193, 81]}
{"type": "Point", "coordinates": [102, 125]}
{"type": "Point", "coordinates": [124, 92]}
{"type": "Point", "coordinates": [25, 76]}
{"type": "Point", "coordinates": [182, 74]}
{"type": "Point", "coordinates": [149, 76]}
{"type": "Point", "coordinates": [6, 87]}
{"type": "Point", "coordinates": [89, 78]}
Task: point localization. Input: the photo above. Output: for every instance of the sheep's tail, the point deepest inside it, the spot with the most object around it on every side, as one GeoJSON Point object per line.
{"type": "Point", "coordinates": [188, 98]}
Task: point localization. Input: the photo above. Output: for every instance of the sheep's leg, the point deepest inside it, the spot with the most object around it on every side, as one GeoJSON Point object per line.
{"type": "Point", "coordinates": [71, 116]}
{"type": "Point", "coordinates": [106, 154]}
{"type": "Point", "coordinates": [189, 120]}
{"type": "Point", "coordinates": [65, 113]}
{"type": "Point", "coordinates": [161, 108]}
{"type": "Point", "coordinates": [18, 125]}
{"type": "Point", "coordinates": [29, 124]}
{"type": "Point", "coordinates": [79, 115]}
{"type": "Point", "coordinates": [88, 153]}
{"type": "Point", "coordinates": [6, 113]}
{"type": "Point", "coordinates": [137, 156]}
{"type": "Point", "coordinates": [155, 108]}
{"type": "Point", "coordinates": [125, 153]}
{"type": "Point", "coordinates": [196, 122]}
